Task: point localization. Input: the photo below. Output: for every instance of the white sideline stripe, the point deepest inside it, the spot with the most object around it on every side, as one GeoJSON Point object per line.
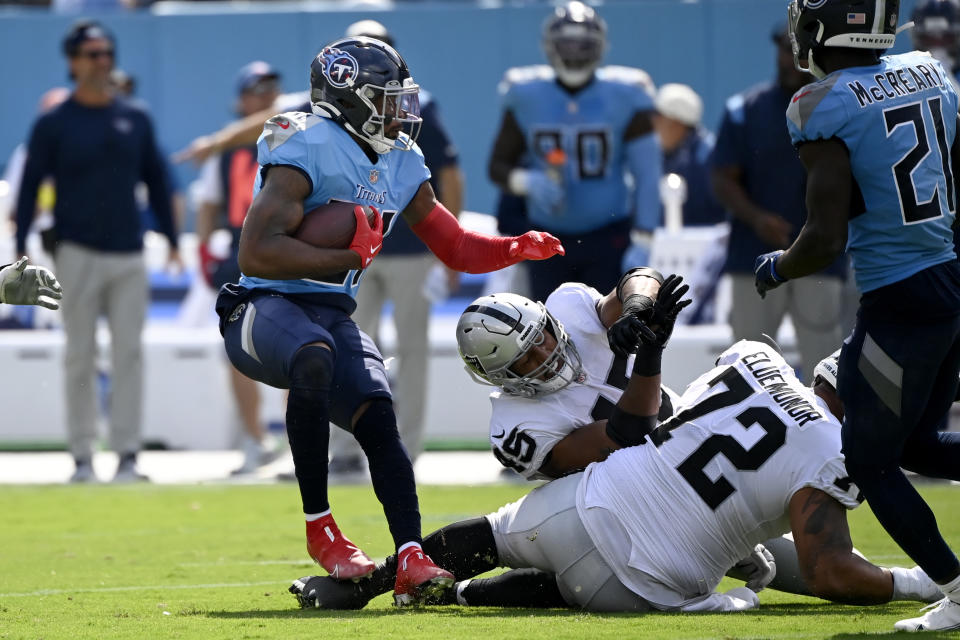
{"type": "Point", "coordinates": [218, 585]}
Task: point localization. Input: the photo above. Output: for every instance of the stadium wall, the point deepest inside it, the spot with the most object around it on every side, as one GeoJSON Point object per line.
{"type": "Point", "coordinates": [185, 56]}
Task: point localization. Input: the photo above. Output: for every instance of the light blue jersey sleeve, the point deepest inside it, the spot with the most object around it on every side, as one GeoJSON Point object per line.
{"type": "Point", "coordinates": [284, 143]}
{"type": "Point", "coordinates": [815, 112]}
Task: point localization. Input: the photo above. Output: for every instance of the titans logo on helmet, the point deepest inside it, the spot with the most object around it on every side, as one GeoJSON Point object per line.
{"type": "Point", "coordinates": [339, 67]}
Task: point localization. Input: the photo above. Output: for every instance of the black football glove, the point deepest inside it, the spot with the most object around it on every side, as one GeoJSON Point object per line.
{"type": "Point", "coordinates": [323, 592]}
{"type": "Point", "coordinates": [765, 270]}
{"type": "Point", "coordinates": [624, 334]}
{"type": "Point", "coordinates": [663, 316]}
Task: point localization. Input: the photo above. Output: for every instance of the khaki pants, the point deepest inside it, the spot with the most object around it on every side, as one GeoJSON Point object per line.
{"type": "Point", "coordinates": [114, 285]}
{"type": "Point", "coordinates": [398, 278]}
{"type": "Point", "coordinates": [815, 305]}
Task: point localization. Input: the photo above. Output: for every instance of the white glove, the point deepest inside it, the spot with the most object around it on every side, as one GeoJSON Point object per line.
{"type": "Point", "coordinates": [759, 567]}
{"type": "Point", "coordinates": [22, 284]}
{"type": "Point", "coordinates": [736, 599]}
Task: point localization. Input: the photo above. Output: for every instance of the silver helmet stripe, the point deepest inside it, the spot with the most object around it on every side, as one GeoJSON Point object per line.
{"type": "Point", "coordinates": [499, 315]}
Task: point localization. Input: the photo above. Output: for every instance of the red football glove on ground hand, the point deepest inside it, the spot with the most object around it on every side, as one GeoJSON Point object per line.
{"type": "Point", "coordinates": [367, 240]}
{"type": "Point", "coordinates": [535, 245]}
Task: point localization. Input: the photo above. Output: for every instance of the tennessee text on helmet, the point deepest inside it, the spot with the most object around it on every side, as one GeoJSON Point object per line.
{"type": "Point", "coordinates": [496, 331]}
{"type": "Point", "coordinates": [574, 41]}
{"type": "Point", "coordinates": [365, 86]}
{"type": "Point", "coordinates": [857, 24]}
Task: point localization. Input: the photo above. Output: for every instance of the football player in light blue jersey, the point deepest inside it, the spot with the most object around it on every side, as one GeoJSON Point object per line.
{"type": "Point", "coordinates": [879, 139]}
{"type": "Point", "coordinates": [569, 135]}
{"type": "Point", "coordinates": [288, 322]}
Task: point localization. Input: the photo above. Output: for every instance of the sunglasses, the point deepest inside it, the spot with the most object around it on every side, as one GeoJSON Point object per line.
{"type": "Point", "coordinates": [96, 53]}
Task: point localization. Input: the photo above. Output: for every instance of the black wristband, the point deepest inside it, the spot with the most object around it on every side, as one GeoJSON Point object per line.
{"type": "Point", "coordinates": [628, 429]}
{"type": "Point", "coordinates": [647, 361]}
{"type": "Point", "coordinates": [635, 303]}
{"type": "Point", "coordinates": [635, 273]}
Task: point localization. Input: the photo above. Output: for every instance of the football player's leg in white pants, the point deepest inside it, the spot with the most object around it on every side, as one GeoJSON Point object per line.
{"type": "Point", "coordinates": [542, 530]}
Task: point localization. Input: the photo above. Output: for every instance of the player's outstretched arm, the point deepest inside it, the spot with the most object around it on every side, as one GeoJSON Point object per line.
{"type": "Point", "coordinates": [470, 251]}
{"type": "Point", "coordinates": [267, 246]}
{"type": "Point", "coordinates": [830, 567]}
{"type": "Point", "coordinates": [236, 134]}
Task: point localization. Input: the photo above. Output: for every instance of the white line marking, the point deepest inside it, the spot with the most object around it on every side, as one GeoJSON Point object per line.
{"type": "Point", "coordinates": [220, 585]}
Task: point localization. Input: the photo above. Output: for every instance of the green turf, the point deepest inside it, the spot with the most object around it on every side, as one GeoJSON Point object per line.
{"type": "Point", "coordinates": [215, 561]}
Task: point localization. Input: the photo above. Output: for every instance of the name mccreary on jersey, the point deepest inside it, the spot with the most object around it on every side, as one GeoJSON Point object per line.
{"type": "Point", "coordinates": [893, 84]}
{"type": "Point", "coordinates": [786, 397]}
{"type": "Point", "coordinates": [380, 197]}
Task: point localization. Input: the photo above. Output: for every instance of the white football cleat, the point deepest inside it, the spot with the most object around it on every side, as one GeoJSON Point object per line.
{"type": "Point", "coordinates": [940, 616]}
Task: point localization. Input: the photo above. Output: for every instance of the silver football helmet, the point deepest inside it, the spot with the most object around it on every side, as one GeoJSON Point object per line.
{"type": "Point", "coordinates": [827, 369]}
{"type": "Point", "coordinates": [495, 331]}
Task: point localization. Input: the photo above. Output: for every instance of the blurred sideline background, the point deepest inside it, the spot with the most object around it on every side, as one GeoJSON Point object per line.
{"type": "Point", "coordinates": [184, 56]}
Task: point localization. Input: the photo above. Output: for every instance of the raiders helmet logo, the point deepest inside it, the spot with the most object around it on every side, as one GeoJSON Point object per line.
{"type": "Point", "coordinates": [339, 67]}
{"type": "Point", "coordinates": [237, 312]}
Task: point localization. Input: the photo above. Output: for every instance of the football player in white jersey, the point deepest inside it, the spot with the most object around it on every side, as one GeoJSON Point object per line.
{"type": "Point", "coordinates": [750, 453]}
{"type": "Point", "coordinates": [546, 429]}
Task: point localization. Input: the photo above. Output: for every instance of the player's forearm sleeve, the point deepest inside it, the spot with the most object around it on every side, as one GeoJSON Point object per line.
{"type": "Point", "coordinates": [460, 249]}
{"type": "Point", "coordinates": [645, 160]}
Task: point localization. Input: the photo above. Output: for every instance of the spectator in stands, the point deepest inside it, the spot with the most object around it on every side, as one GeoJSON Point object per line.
{"type": "Point", "coordinates": [97, 148]}
{"type": "Point", "coordinates": [224, 193]}
{"type": "Point", "coordinates": [686, 151]}
{"type": "Point", "coordinates": [398, 275]}
{"type": "Point", "coordinates": [758, 177]}
{"type": "Point", "coordinates": [569, 135]}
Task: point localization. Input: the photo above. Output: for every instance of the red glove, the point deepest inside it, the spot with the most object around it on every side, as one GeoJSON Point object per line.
{"type": "Point", "coordinates": [208, 263]}
{"type": "Point", "coordinates": [367, 239]}
{"type": "Point", "coordinates": [535, 245]}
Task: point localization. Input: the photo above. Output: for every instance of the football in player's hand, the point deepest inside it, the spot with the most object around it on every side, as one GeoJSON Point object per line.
{"type": "Point", "coordinates": [331, 226]}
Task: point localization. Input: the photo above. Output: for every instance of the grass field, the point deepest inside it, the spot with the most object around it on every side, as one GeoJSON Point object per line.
{"type": "Point", "coordinates": [215, 562]}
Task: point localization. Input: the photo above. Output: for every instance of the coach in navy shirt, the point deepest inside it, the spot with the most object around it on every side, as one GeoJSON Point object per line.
{"type": "Point", "coordinates": [98, 148]}
{"type": "Point", "coordinates": [758, 177]}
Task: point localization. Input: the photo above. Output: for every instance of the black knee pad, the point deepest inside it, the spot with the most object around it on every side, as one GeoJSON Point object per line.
{"type": "Point", "coordinates": [312, 368]}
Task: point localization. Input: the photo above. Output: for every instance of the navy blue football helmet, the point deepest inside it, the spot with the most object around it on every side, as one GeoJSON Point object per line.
{"type": "Point", "coordinates": [365, 86]}
{"type": "Point", "coordinates": [937, 29]}
{"type": "Point", "coordinates": [857, 24]}
{"type": "Point", "coordinates": [574, 40]}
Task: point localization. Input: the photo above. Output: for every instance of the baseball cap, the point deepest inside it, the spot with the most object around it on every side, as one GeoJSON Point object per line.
{"type": "Point", "coordinates": [371, 29]}
{"type": "Point", "coordinates": [254, 73]}
{"type": "Point", "coordinates": [84, 30]}
{"type": "Point", "coordinates": [679, 102]}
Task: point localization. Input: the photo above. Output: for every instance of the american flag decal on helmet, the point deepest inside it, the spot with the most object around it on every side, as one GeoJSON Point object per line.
{"type": "Point", "coordinates": [856, 18]}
